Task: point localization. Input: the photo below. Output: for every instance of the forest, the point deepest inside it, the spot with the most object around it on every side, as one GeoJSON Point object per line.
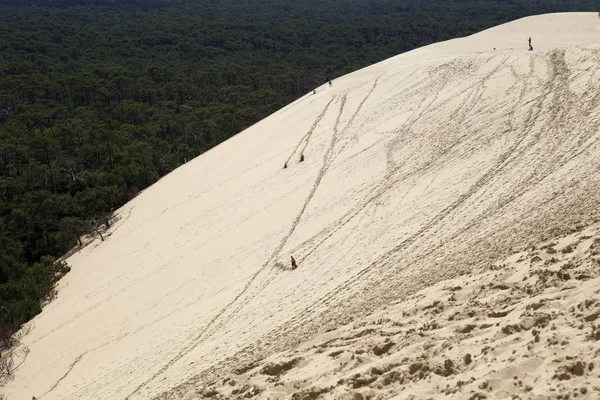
{"type": "Point", "coordinates": [101, 98]}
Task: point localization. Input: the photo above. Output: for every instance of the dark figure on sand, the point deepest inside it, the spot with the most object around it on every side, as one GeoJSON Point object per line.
{"type": "Point", "coordinates": [302, 157]}
{"type": "Point", "coordinates": [294, 265]}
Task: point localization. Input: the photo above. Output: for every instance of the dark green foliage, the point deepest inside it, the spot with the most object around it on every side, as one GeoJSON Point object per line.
{"type": "Point", "coordinates": [100, 98]}
{"type": "Point", "coordinates": [25, 286]}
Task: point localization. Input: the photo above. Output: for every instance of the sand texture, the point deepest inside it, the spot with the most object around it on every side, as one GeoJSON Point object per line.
{"type": "Point", "coordinates": [419, 173]}
{"type": "Point", "coordinates": [524, 326]}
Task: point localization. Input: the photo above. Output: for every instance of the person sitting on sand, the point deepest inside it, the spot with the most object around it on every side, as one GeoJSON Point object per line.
{"type": "Point", "coordinates": [294, 265]}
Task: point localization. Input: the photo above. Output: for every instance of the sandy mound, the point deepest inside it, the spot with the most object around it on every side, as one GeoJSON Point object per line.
{"type": "Point", "coordinates": [416, 170]}
{"type": "Point", "coordinates": [525, 327]}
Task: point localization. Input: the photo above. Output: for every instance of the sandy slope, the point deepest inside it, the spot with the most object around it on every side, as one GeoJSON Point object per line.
{"type": "Point", "coordinates": [524, 326]}
{"type": "Point", "coordinates": [417, 169]}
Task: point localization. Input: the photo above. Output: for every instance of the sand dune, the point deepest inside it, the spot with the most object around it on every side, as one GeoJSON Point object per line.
{"type": "Point", "coordinates": [524, 326]}
{"type": "Point", "coordinates": [419, 169]}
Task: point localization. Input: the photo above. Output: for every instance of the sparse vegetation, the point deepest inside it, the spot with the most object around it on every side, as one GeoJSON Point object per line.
{"type": "Point", "coordinates": [10, 354]}
{"type": "Point", "coordinates": [567, 249]}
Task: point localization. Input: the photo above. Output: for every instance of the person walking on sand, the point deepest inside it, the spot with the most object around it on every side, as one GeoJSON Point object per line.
{"type": "Point", "coordinates": [294, 265]}
{"type": "Point", "coordinates": [329, 83]}
{"type": "Point", "coordinates": [529, 41]}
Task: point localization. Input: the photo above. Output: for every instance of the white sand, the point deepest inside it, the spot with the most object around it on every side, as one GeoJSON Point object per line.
{"type": "Point", "coordinates": [417, 169]}
{"type": "Point", "coordinates": [524, 326]}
